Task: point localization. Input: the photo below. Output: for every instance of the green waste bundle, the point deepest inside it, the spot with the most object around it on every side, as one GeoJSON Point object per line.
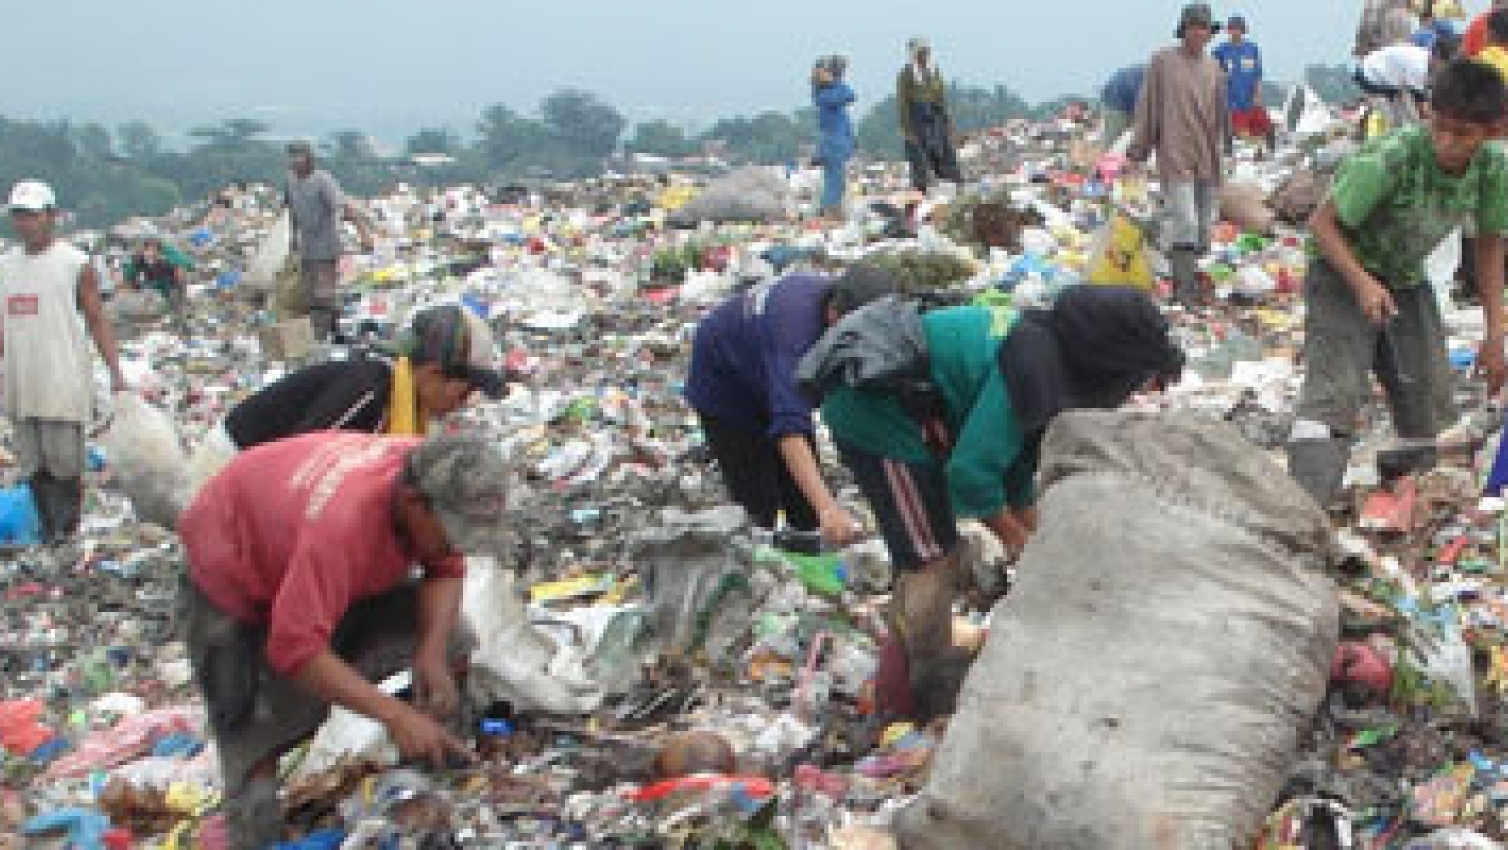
{"type": "Point", "coordinates": [922, 272]}
{"type": "Point", "coordinates": [984, 222]}
{"type": "Point", "coordinates": [670, 265]}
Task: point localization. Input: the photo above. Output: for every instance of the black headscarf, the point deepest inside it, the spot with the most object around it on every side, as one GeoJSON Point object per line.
{"type": "Point", "coordinates": [1095, 347]}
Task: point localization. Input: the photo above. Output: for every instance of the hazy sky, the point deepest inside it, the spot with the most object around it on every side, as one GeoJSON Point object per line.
{"type": "Point", "coordinates": [309, 66]}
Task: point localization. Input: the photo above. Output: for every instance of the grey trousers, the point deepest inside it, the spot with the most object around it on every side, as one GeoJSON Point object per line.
{"type": "Point", "coordinates": [1190, 209]}
{"type": "Point", "coordinates": [50, 456]}
{"type": "Point", "coordinates": [1343, 349]}
{"type": "Point", "coordinates": [320, 280]}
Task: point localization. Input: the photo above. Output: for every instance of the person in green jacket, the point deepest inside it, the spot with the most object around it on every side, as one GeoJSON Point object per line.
{"type": "Point", "coordinates": [921, 96]}
{"type": "Point", "coordinates": [998, 380]}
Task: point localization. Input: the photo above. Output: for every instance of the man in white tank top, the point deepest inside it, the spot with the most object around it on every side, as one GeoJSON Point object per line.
{"type": "Point", "coordinates": [50, 304]}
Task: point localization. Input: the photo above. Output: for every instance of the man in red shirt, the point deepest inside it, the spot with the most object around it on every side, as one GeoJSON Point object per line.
{"type": "Point", "coordinates": [300, 594]}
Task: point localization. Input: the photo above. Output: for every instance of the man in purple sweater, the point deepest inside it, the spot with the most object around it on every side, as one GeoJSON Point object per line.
{"type": "Point", "coordinates": [742, 385]}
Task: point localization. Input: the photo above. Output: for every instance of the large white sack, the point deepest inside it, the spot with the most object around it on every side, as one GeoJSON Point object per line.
{"type": "Point", "coordinates": [267, 260]}
{"type": "Point", "coordinates": [146, 459]}
{"type": "Point", "coordinates": [1145, 681]}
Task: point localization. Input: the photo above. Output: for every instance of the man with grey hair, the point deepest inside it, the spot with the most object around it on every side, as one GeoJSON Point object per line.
{"type": "Point", "coordinates": [316, 206]}
{"type": "Point", "coordinates": [300, 593]}
{"type": "Point", "coordinates": [921, 96]}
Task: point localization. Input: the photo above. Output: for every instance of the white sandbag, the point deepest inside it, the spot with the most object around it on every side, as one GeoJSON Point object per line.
{"type": "Point", "coordinates": [267, 259]}
{"type": "Point", "coordinates": [146, 459]}
{"type": "Point", "coordinates": [752, 193]}
{"type": "Point", "coordinates": [1146, 680]}
{"type": "Point", "coordinates": [130, 306]}
{"type": "Point", "coordinates": [514, 661]}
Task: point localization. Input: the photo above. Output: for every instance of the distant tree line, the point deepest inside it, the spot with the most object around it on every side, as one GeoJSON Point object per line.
{"type": "Point", "coordinates": [105, 175]}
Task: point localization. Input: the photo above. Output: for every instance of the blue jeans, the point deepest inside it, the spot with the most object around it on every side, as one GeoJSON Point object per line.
{"type": "Point", "coordinates": [834, 183]}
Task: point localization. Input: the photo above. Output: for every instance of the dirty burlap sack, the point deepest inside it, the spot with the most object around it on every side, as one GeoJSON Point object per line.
{"type": "Point", "coordinates": [1298, 196]}
{"type": "Point", "coordinates": [1244, 204]}
{"type": "Point", "coordinates": [290, 295]}
{"type": "Point", "coordinates": [1146, 680]}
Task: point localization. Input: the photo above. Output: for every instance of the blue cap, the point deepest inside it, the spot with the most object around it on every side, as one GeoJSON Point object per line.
{"type": "Point", "coordinates": [1236, 21]}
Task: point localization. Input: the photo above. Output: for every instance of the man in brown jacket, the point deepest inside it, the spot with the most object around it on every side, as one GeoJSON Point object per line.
{"type": "Point", "coordinates": [1183, 117]}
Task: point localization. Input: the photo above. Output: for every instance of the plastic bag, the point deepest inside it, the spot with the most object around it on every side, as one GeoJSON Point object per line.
{"type": "Point", "coordinates": [753, 193]}
{"type": "Point", "coordinates": [19, 524]}
{"type": "Point", "coordinates": [1118, 254]}
{"type": "Point", "coordinates": [132, 737]}
{"type": "Point", "coordinates": [148, 462]}
{"type": "Point", "coordinates": [290, 298]}
{"type": "Point", "coordinates": [1170, 632]}
{"type": "Point", "coordinates": [271, 255]}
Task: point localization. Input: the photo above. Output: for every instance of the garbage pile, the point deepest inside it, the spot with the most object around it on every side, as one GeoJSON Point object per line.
{"type": "Point", "coordinates": [652, 672]}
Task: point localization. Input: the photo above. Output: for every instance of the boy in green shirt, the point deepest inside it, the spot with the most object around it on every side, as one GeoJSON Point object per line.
{"type": "Point", "coordinates": [998, 381]}
{"type": "Point", "coordinates": [1370, 308]}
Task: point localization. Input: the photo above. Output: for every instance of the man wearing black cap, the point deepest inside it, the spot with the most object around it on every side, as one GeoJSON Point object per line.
{"type": "Point", "coordinates": [316, 206]}
{"type": "Point", "coordinates": [440, 361]}
{"type": "Point", "coordinates": [300, 593]}
{"type": "Point", "coordinates": [1183, 117]}
{"type": "Point", "coordinates": [742, 384]}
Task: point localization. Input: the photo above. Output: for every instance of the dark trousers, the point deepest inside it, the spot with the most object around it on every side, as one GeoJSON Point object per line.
{"type": "Point", "coordinates": [756, 475]}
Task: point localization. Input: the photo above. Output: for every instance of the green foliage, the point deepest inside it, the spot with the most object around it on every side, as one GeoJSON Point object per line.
{"type": "Point", "coordinates": [661, 138]}
{"type": "Point", "coordinates": [921, 272]}
{"type": "Point", "coordinates": [105, 177]}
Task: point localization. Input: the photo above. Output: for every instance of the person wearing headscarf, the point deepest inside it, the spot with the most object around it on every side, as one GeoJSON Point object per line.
{"type": "Point", "coordinates": [997, 382]}
{"type": "Point", "coordinates": [833, 98]}
{"type": "Point", "coordinates": [440, 360]}
{"type": "Point", "coordinates": [921, 96]}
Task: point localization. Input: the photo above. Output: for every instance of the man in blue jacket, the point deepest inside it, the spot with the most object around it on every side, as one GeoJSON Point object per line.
{"type": "Point", "coordinates": [833, 97]}
{"type": "Point", "coordinates": [742, 384]}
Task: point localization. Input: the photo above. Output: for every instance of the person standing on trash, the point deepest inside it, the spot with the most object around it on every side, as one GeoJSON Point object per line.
{"type": "Point", "coordinates": [741, 383]}
{"type": "Point", "coordinates": [300, 594]}
{"type": "Point", "coordinates": [921, 96]}
{"type": "Point", "coordinates": [1400, 74]}
{"type": "Point", "coordinates": [440, 360]}
{"type": "Point", "coordinates": [833, 99]}
{"type": "Point", "coordinates": [316, 206]}
{"type": "Point", "coordinates": [1183, 117]}
{"type": "Point", "coordinates": [162, 269]}
{"type": "Point", "coordinates": [52, 309]}
{"type": "Point", "coordinates": [1241, 60]}
{"type": "Point", "coordinates": [1370, 308]}
{"type": "Point", "coordinates": [956, 434]}
{"type": "Point", "coordinates": [1118, 102]}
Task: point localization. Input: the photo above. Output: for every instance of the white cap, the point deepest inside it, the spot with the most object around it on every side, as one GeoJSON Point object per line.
{"type": "Point", "coordinates": [33, 195]}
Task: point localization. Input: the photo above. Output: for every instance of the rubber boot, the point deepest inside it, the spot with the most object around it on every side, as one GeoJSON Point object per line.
{"type": "Point", "coordinates": [921, 616]}
{"type": "Point", "coordinates": [1183, 266]}
{"type": "Point", "coordinates": [69, 511]}
{"type": "Point", "coordinates": [39, 484]}
{"type": "Point", "coordinates": [1319, 466]}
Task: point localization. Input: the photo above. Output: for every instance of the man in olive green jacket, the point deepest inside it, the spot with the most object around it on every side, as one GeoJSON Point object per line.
{"type": "Point", "coordinates": [922, 99]}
